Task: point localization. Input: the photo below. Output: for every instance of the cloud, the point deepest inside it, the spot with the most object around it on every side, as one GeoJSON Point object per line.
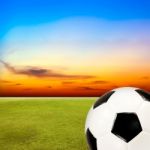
{"type": "Point", "coordinates": [87, 88]}
{"type": "Point", "coordinates": [41, 72]}
{"type": "Point", "coordinates": [5, 81]}
{"type": "Point", "coordinates": [100, 82]}
{"type": "Point", "coordinates": [145, 77]}
{"type": "Point", "coordinates": [18, 84]}
{"type": "Point", "coordinates": [27, 89]}
{"type": "Point", "coordinates": [49, 87]}
{"type": "Point", "coordinates": [68, 82]}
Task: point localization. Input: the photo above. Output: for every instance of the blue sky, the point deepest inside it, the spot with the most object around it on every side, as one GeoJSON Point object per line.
{"type": "Point", "coordinates": [32, 12]}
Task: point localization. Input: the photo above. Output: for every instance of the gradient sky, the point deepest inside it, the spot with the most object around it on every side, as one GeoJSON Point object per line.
{"type": "Point", "coordinates": [72, 47]}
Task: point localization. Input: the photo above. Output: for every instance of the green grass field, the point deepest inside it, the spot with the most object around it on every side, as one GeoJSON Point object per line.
{"type": "Point", "coordinates": [43, 124]}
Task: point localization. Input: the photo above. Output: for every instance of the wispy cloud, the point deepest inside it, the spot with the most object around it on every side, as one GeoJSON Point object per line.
{"type": "Point", "coordinates": [49, 87]}
{"type": "Point", "coordinates": [5, 81]}
{"type": "Point", "coordinates": [100, 82]}
{"type": "Point", "coordinates": [41, 72]}
{"type": "Point", "coordinates": [18, 84]}
{"type": "Point", "coordinates": [27, 89]}
{"type": "Point", "coordinates": [145, 77]}
{"type": "Point", "coordinates": [87, 88]}
{"type": "Point", "coordinates": [68, 82]}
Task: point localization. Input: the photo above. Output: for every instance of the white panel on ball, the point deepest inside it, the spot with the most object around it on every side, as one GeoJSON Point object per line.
{"type": "Point", "coordinates": [125, 100]}
{"type": "Point", "coordinates": [101, 121]}
{"type": "Point", "coordinates": [111, 142]}
{"type": "Point", "coordinates": [144, 114]}
{"type": "Point", "coordinates": [141, 142]}
{"type": "Point", "coordinates": [88, 119]}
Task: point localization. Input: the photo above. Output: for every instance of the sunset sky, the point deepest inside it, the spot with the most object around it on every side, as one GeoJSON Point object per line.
{"type": "Point", "coordinates": [73, 47]}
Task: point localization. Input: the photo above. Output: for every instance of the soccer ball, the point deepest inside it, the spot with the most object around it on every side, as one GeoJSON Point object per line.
{"type": "Point", "coordinates": [120, 120]}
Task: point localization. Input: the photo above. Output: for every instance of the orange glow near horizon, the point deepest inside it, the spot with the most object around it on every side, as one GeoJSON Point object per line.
{"type": "Point", "coordinates": [23, 85]}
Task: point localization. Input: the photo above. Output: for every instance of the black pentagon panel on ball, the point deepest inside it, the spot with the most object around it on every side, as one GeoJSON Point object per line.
{"type": "Point", "coordinates": [103, 99]}
{"type": "Point", "coordinates": [144, 94]}
{"type": "Point", "coordinates": [91, 140]}
{"type": "Point", "coordinates": [126, 126]}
